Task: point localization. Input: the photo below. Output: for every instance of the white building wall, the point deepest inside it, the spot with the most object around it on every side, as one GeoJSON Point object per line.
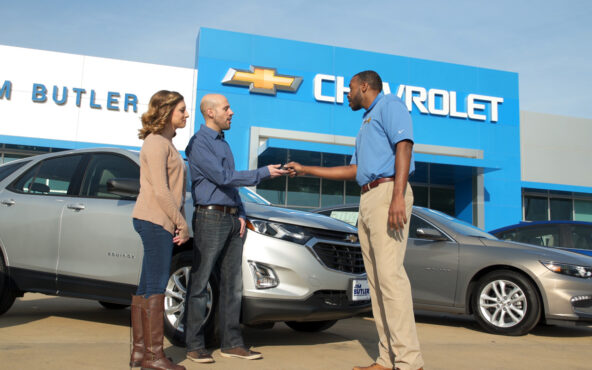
{"type": "Point", "coordinates": [556, 149]}
{"type": "Point", "coordinates": [22, 117]}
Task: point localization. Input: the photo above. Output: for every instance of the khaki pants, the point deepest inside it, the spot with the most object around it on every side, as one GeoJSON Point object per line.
{"type": "Point", "coordinates": [384, 251]}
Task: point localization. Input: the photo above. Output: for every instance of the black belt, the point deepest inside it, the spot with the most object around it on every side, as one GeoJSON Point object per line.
{"type": "Point", "coordinates": [375, 183]}
{"type": "Point", "coordinates": [223, 209]}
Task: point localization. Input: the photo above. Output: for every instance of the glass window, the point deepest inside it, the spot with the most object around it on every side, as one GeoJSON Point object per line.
{"type": "Point", "coordinates": [332, 192]}
{"type": "Point", "coordinates": [12, 157]}
{"type": "Point", "coordinates": [104, 167]}
{"type": "Point", "coordinates": [333, 160]}
{"type": "Point", "coordinates": [561, 209]}
{"type": "Point", "coordinates": [535, 208]}
{"type": "Point", "coordinates": [583, 210]}
{"type": "Point", "coordinates": [420, 195]}
{"type": "Point", "coordinates": [544, 235]}
{"type": "Point", "coordinates": [352, 192]}
{"type": "Point", "coordinates": [304, 157]}
{"type": "Point", "coordinates": [303, 191]}
{"type": "Point", "coordinates": [274, 190]}
{"type": "Point", "coordinates": [581, 236]}
{"type": "Point", "coordinates": [7, 170]}
{"type": "Point", "coordinates": [417, 223]}
{"type": "Point", "coordinates": [272, 156]}
{"type": "Point", "coordinates": [53, 176]}
{"type": "Point", "coordinates": [442, 199]}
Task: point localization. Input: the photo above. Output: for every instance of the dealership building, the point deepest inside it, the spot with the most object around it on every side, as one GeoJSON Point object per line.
{"type": "Point", "coordinates": [478, 157]}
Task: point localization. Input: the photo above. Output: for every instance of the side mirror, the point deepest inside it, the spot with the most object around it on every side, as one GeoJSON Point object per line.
{"type": "Point", "coordinates": [124, 187]}
{"type": "Point", "coordinates": [430, 234]}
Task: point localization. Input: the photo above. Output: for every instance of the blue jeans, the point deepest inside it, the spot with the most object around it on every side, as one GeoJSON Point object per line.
{"type": "Point", "coordinates": [156, 264]}
{"type": "Point", "coordinates": [218, 248]}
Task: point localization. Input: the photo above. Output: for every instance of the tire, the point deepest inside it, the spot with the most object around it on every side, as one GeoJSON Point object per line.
{"type": "Point", "coordinates": [113, 306]}
{"type": "Point", "coordinates": [310, 326]}
{"type": "Point", "coordinates": [8, 292]}
{"type": "Point", "coordinates": [506, 302]}
{"type": "Point", "coordinates": [174, 303]}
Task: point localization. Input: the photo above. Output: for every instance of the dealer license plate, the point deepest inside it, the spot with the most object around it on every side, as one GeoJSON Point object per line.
{"type": "Point", "coordinates": [360, 290]}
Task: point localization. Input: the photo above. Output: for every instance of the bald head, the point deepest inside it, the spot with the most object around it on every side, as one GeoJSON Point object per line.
{"type": "Point", "coordinates": [216, 111]}
{"type": "Point", "coordinates": [210, 101]}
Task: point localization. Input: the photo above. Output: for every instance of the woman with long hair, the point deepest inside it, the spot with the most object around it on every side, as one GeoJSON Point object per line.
{"type": "Point", "coordinates": [159, 219]}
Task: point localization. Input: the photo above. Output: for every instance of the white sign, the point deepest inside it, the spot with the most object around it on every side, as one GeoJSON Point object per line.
{"type": "Point", "coordinates": [437, 102]}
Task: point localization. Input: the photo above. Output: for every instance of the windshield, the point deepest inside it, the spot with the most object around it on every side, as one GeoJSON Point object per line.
{"type": "Point", "coordinates": [249, 196]}
{"type": "Point", "coordinates": [459, 226]}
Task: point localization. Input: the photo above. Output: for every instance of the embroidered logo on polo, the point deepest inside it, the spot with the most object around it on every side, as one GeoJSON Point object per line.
{"type": "Point", "coordinates": [367, 120]}
{"type": "Point", "coordinates": [262, 80]}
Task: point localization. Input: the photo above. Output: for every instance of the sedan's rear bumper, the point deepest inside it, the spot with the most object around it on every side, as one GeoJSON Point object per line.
{"type": "Point", "coordinates": [322, 305]}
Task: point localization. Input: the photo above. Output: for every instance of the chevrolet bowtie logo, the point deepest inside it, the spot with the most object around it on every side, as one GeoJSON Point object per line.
{"type": "Point", "coordinates": [262, 80]}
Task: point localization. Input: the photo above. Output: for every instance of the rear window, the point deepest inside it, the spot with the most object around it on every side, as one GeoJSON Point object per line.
{"type": "Point", "coordinates": [7, 169]}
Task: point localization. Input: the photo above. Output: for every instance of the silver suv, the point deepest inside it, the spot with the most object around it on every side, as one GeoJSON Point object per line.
{"type": "Point", "coordinates": [65, 229]}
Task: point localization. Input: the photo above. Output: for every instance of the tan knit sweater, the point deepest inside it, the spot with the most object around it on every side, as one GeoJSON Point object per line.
{"type": "Point", "coordinates": [162, 185]}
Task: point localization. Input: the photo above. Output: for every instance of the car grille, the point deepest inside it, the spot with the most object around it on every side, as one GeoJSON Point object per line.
{"type": "Point", "coordinates": [337, 298]}
{"type": "Point", "coordinates": [345, 258]}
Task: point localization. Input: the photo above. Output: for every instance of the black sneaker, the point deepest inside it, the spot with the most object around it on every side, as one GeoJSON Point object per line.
{"type": "Point", "coordinates": [200, 355]}
{"type": "Point", "coordinates": [241, 352]}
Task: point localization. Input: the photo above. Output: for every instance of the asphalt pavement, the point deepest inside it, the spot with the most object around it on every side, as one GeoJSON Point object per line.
{"type": "Point", "coordinates": [43, 332]}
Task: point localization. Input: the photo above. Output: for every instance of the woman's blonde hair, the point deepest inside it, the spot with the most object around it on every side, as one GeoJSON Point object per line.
{"type": "Point", "coordinates": [159, 112]}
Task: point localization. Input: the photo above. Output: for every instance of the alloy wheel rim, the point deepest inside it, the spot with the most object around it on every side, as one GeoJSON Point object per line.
{"type": "Point", "coordinates": [503, 303]}
{"type": "Point", "coordinates": [175, 293]}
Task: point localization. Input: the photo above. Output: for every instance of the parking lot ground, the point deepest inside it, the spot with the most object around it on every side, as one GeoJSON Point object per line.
{"type": "Point", "coordinates": [43, 332]}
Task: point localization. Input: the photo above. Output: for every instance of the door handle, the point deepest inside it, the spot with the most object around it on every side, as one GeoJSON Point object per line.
{"type": "Point", "coordinates": [76, 207]}
{"type": "Point", "coordinates": [8, 202]}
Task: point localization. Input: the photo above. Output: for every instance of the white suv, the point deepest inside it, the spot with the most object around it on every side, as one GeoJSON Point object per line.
{"type": "Point", "coordinates": [65, 229]}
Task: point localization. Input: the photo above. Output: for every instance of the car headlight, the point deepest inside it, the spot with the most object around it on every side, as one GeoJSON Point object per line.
{"type": "Point", "coordinates": [584, 272]}
{"type": "Point", "coordinates": [292, 233]}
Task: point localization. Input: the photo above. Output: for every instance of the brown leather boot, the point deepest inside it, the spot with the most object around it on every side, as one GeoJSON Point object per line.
{"type": "Point", "coordinates": [153, 326]}
{"type": "Point", "coordinates": [137, 332]}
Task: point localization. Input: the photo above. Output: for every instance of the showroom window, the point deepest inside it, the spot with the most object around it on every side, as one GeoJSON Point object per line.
{"type": "Point", "coordinates": [544, 205]}
{"type": "Point", "coordinates": [433, 185]}
{"type": "Point", "coordinates": [12, 152]}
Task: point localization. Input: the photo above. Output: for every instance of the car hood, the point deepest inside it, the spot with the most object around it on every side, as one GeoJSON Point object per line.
{"type": "Point", "coordinates": [295, 217]}
{"type": "Point", "coordinates": [543, 253]}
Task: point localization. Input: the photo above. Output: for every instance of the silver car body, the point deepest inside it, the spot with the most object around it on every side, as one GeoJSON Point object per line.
{"type": "Point", "coordinates": [87, 247]}
{"type": "Point", "coordinates": [444, 273]}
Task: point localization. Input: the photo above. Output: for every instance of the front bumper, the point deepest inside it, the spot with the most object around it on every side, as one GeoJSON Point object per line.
{"type": "Point", "coordinates": [567, 299]}
{"type": "Point", "coordinates": [322, 305]}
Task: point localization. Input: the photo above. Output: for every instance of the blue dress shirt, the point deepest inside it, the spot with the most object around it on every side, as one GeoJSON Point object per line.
{"type": "Point", "coordinates": [214, 180]}
{"type": "Point", "coordinates": [386, 122]}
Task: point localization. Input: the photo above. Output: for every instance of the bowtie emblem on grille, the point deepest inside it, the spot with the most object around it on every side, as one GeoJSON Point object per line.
{"type": "Point", "coordinates": [351, 238]}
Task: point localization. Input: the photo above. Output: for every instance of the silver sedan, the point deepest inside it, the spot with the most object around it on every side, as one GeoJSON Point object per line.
{"type": "Point", "coordinates": [509, 287]}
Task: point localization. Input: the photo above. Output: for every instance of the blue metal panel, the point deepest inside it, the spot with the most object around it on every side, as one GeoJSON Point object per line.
{"type": "Point", "coordinates": [500, 141]}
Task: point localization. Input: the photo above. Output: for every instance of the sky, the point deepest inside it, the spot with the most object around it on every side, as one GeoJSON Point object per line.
{"type": "Point", "coordinates": [548, 43]}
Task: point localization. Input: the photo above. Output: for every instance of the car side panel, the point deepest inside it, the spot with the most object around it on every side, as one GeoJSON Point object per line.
{"type": "Point", "coordinates": [29, 230]}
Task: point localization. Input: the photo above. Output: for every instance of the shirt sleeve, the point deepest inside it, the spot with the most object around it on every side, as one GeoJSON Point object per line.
{"type": "Point", "coordinates": [203, 158]}
{"type": "Point", "coordinates": [397, 122]}
{"type": "Point", "coordinates": [354, 158]}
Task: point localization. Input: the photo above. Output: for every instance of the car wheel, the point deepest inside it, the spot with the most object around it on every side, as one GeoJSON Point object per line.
{"type": "Point", "coordinates": [113, 306]}
{"type": "Point", "coordinates": [506, 302]}
{"type": "Point", "coordinates": [174, 303]}
{"type": "Point", "coordinates": [7, 291]}
{"type": "Point", "coordinates": [311, 326]}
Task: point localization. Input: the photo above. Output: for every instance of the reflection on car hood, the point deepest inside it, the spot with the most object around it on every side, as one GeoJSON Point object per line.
{"type": "Point", "coordinates": [291, 216]}
{"type": "Point", "coordinates": [543, 253]}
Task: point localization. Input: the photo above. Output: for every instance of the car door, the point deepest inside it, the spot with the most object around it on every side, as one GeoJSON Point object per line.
{"type": "Point", "coordinates": [32, 206]}
{"type": "Point", "coordinates": [432, 266]}
{"type": "Point", "coordinates": [98, 243]}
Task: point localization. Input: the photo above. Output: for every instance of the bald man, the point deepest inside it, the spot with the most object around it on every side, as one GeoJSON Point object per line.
{"type": "Point", "coordinates": [219, 227]}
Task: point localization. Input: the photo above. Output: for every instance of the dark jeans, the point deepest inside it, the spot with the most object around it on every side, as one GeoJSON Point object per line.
{"type": "Point", "coordinates": [217, 246]}
{"type": "Point", "coordinates": [156, 264]}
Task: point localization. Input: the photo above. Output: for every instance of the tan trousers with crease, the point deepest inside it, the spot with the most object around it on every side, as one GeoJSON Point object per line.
{"type": "Point", "coordinates": [384, 251]}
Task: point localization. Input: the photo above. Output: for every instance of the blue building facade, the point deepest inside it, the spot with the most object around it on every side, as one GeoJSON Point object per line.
{"type": "Point", "coordinates": [290, 103]}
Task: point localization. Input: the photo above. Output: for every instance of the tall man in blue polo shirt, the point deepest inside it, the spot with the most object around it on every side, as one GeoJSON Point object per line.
{"type": "Point", "coordinates": [381, 164]}
{"type": "Point", "coordinates": [219, 228]}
